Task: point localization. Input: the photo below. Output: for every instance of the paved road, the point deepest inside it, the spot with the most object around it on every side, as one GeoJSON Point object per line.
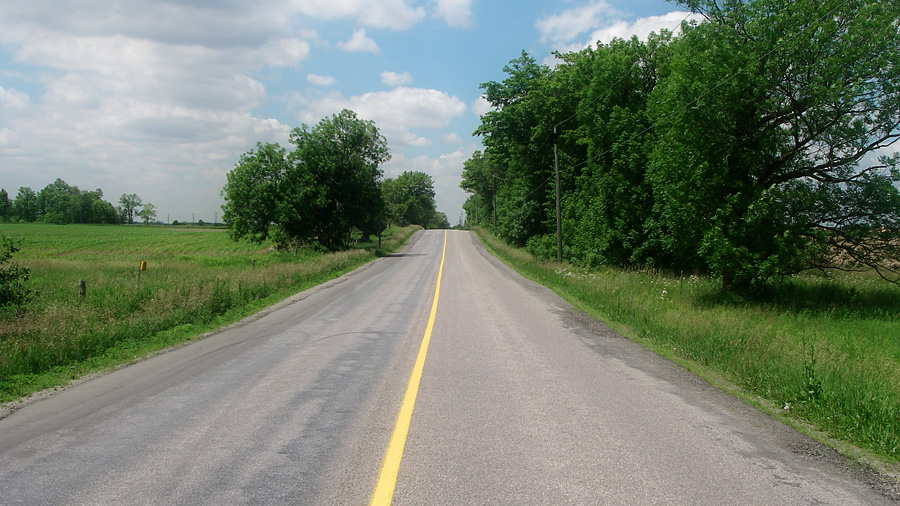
{"type": "Point", "coordinates": [522, 401]}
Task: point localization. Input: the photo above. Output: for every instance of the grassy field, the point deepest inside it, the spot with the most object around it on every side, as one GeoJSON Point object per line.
{"type": "Point", "coordinates": [196, 281]}
{"type": "Point", "coordinates": [822, 353]}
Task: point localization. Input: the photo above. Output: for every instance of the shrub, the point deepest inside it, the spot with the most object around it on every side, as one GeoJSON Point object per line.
{"type": "Point", "coordinates": [13, 292]}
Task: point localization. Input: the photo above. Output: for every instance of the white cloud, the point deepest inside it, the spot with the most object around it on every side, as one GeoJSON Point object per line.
{"type": "Point", "coordinates": [481, 106]}
{"type": "Point", "coordinates": [320, 80]}
{"type": "Point", "coordinates": [359, 43]}
{"type": "Point", "coordinates": [457, 13]}
{"type": "Point", "coordinates": [395, 112]}
{"type": "Point", "coordinates": [140, 106]}
{"type": "Point", "coordinates": [395, 79]}
{"type": "Point", "coordinates": [285, 52]}
{"type": "Point", "coordinates": [642, 28]}
{"type": "Point", "coordinates": [564, 31]}
{"type": "Point", "coordinates": [11, 99]}
{"type": "Point", "coordinates": [391, 14]}
{"type": "Point", "coordinates": [452, 138]}
{"type": "Point", "coordinates": [571, 23]}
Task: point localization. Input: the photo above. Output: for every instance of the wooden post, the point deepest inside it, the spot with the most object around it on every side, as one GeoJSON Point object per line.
{"type": "Point", "coordinates": [82, 289]}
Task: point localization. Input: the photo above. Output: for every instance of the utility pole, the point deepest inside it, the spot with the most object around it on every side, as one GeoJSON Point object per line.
{"type": "Point", "coordinates": [558, 213]}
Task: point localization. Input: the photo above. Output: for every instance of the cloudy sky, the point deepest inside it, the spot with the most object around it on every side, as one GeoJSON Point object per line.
{"type": "Point", "coordinates": [160, 97]}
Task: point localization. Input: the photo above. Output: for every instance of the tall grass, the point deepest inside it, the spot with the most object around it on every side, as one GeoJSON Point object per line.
{"type": "Point", "coordinates": [823, 351]}
{"type": "Point", "coordinates": [196, 280]}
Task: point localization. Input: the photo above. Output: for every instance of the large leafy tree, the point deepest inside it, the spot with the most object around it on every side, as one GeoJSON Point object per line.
{"type": "Point", "coordinates": [768, 123]}
{"type": "Point", "coordinates": [409, 199]}
{"type": "Point", "coordinates": [264, 195]}
{"type": "Point", "coordinates": [26, 204]}
{"type": "Point", "coordinates": [613, 200]}
{"type": "Point", "coordinates": [131, 203]}
{"type": "Point", "coordinates": [511, 133]}
{"type": "Point", "coordinates": [318, 192]}
{"type": "Point", "coordinates": [342, 154]}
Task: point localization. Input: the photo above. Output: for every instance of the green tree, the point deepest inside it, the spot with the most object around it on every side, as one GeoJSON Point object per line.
{"type": "Point", "coordinates": [439, 221]}
{"type": "Point", "coordinates": [60, 203]}
{"type": "Point", "coordinates": [613, 200]}
{"type": "Point", "coordinates": [265, 194]}
{"type": "Point", "coordinates": [765, 124]}
{"type": "Point", "coordinates": [409, 199]}
{"type": "Point", "coordinates": [319, 192]}
{"type": "Point", "coordinates": [6, 205]}
{"type": "Point", "coordinates": [130, 203]}
{"type": "Point", "coordinates": [147, 212]}
{"type": "Point", "coordinates": [26, 204]}
{"type": "Point", "coordinates": [342, 154]}
{"type": "Point", "coordinates": [515, 134]}
{"type": "Point", "coordinates": [480, 178]}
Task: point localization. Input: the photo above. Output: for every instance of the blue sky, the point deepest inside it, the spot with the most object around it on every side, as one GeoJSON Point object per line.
{"type": "Point", "coordinates": [160, 98]}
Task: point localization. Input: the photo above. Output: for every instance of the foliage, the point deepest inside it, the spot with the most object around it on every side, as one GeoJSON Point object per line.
{"type": "Point", "coordinates": [409, 199]}
{"type": "Point", "coordinates": [147, 213]}
{"type": "Point", "coordinates": [130, 205]}
{"type": "Point", "coordinates": [58, 203]}
{"type": "Point", "coordinates": [752, 146]}
{"type": "Point", "coordinates": [13, 292]}
{"type": "Point", "coordinates": [318, 192]}
{"type": "Point", "coordinates": [772, 150]}
{"type": "Point", "coordinates": [6, 205]}
{"type": "Point", "coordinates": [26, 204]}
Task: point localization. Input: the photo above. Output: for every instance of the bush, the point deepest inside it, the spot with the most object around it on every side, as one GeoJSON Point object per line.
{"type": "Point", "coordinates": [13, 292]}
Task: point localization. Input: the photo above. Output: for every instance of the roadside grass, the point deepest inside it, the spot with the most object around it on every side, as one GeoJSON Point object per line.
{"type": "Point", "coordinates": [822, 353]}
{"type": "Point", "coordinates": [197, 280]}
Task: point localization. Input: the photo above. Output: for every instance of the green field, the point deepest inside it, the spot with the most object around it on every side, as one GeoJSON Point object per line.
{"type": "Point", "coordinates": [196, 281]}
{"type": "Point", "coordinates": [822, 353]}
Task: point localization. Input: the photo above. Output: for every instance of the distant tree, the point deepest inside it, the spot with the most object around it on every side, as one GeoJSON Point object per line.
{"type": "Point", "coordinates": [6, 205]}
{"type": "Point", "coordinates": [60, 203]}
{"type": "Point", "coordinates": [130, 204]}
{"type": "Point", "coordinates": [26, 204]}
{"type": "Point", "coordinates": [479, 177]}
{"type": "Point", "coordinates": [439, 220]}
{"type": "Point", "coordinates": [409, 199]}
{"type": "Point", "coordinates": [102, 211]}
{"type": "Point", "coordinates": [147, 213]}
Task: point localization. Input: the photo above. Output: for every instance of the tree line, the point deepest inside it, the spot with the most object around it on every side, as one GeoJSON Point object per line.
{"type": "Point", "coordinates": [60, 203]}
{"type": "Point", "coordinates": [746, 147]}
{"type": "Point", "coordinates": [329, 185]}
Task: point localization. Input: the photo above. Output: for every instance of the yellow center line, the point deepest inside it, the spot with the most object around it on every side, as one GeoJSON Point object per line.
{"type": "Point", "coordinates": [387, 478]}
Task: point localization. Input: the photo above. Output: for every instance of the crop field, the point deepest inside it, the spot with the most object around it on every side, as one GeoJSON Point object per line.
{"type": "Point", "coordinates": [195, 281]}
{"type": "Point", "coordinates": [821, 353]}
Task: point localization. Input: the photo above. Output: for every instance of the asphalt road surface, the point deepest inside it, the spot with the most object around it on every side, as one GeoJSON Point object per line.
{"type": "Point", "coordinates": [522, 400]}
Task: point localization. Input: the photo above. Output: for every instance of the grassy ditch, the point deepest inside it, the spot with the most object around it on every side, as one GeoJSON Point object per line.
{"type": "Point", "coordinates": [823, 352]}
{"type": "Point", "coordinates": [196, 281]}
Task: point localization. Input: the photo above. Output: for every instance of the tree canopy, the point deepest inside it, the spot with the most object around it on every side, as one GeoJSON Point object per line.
{"type": "Point", "coordinates": [316, 193]}
{"type": "Point", "coordinates": [61, 203]}
{"type": "Point", "coordinates": [409, 199]}
{"type": "Point", "coordinates": [752, 146]}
